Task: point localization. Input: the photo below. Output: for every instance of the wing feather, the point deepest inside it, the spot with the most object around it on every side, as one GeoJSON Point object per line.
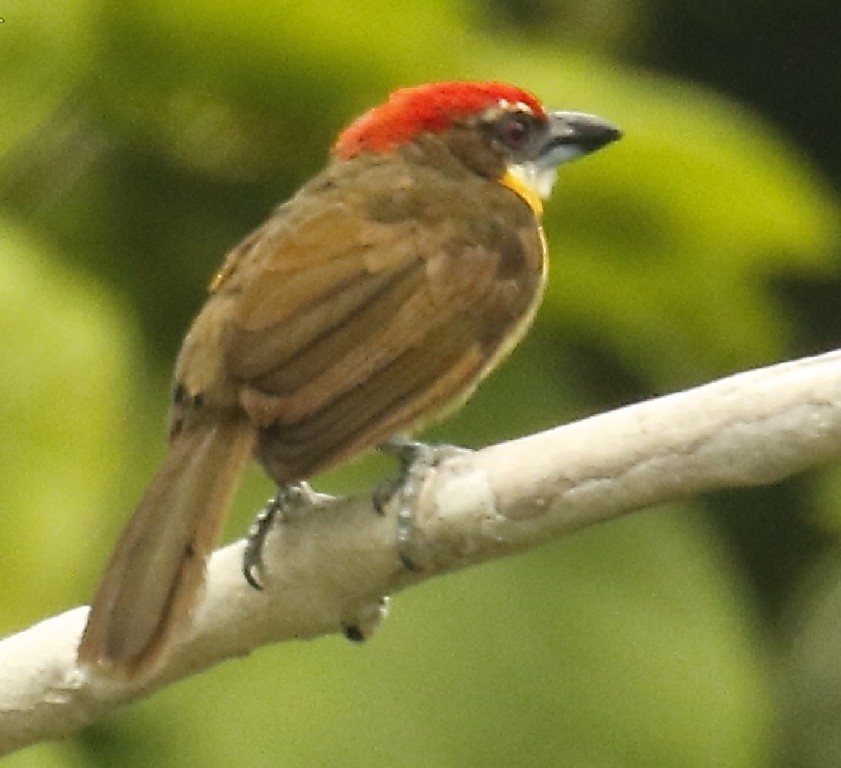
{"type": "Point", "coordinates": [337, 345]}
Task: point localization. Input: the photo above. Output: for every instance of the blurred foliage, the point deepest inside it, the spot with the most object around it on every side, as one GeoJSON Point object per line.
{"type": "Point", "coordinates": [138, 141]}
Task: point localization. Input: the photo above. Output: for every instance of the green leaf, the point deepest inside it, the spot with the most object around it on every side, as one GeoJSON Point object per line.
{"type": "Point", "coordinates": [64, 397]}
{"type": "Point", "coordinates": [663, 247]}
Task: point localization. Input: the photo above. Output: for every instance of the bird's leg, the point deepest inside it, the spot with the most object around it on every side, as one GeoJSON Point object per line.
{"type": "Point", "coordinates": [288, 498]}
{"type": "Point", "coordinates": [415, 461]}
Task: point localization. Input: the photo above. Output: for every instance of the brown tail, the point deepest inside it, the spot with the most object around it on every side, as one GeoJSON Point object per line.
{"type": "Point", "coordinates": [154, 578]}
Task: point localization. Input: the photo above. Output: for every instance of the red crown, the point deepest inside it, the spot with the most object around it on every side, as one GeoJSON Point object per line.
{"type": "Point", "coordinates": [426, 108]}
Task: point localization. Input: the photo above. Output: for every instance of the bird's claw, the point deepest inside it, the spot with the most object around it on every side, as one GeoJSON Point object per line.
{"type": "Point", "coordinates": [287, 498]}
{"type": "Point", "coordinates": [416, 460]}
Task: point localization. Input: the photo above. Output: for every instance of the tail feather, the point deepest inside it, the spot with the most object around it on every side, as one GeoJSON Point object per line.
{"type": "Point", "coordinates": [154, 577]}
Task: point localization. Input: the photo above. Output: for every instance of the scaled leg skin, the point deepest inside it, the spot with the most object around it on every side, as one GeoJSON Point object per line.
{"type": "Point", "coordinates": [416, 460]}
{"type": "Point", "coordinates": [287, 498]}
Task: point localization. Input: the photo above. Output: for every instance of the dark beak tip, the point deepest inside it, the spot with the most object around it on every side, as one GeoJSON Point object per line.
{"type": "Point", "coordinates": [597, 134]}
{"type": "Point", "coordinates": [585, 129]}
{"type": "Point", "coordinates": [610, 134]}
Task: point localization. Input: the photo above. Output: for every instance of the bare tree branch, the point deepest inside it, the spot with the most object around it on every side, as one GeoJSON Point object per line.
{"type": "Point", "coordinates": [328, 566]}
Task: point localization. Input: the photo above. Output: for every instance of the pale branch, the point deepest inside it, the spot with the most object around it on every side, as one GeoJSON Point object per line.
{"type": "Point", "coordinates": [327, 567]}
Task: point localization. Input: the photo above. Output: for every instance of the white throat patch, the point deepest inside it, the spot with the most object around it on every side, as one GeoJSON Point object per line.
{"type": "Point", "coordinates": [536, 177]}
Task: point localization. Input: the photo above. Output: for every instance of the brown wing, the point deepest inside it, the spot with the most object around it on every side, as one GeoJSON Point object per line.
{"type": "Point", "coordinates": [352, 330]}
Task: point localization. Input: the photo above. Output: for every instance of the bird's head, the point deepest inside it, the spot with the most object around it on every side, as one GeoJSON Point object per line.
{"type": "Point", "coordinates": [498, 130]}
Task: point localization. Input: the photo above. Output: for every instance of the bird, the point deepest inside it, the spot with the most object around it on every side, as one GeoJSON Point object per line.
{"type": "Point", "coordinates": [371, 302]}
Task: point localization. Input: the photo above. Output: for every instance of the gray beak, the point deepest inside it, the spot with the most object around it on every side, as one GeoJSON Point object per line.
{"type": "Point", "coordinates": [574, 134]}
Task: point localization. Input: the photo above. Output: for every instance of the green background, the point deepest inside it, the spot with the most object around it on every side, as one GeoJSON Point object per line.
{"type": "Point", "coordinates": [140, 140]}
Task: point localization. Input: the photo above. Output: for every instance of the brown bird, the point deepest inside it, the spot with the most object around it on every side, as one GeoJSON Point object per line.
{"type": "Point", "coordinates": [372, 301]}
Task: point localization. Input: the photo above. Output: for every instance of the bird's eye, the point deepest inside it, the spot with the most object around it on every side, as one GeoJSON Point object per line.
{"type": "Point", "coordinates": [515, 130]}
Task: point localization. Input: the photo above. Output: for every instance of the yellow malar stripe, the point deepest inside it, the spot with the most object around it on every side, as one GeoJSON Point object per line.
{"type": "Point", "coordinates": [516, 185]}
